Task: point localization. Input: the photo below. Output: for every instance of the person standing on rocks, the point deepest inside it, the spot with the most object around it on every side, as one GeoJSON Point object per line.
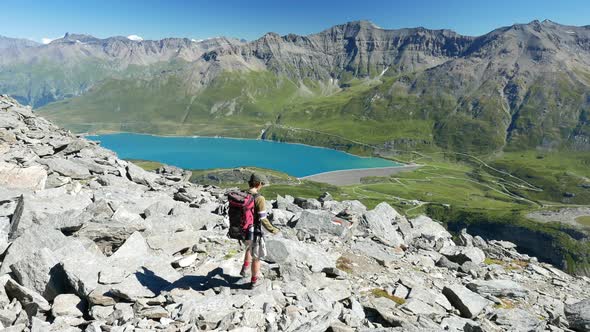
{"type": "Point", "coordinates": [255, 247]}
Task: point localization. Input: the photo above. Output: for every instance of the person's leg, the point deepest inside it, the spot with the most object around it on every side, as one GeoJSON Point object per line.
{"type": "Point", "coordinates": [247, 259]}
{"type": "Point", "coordinates": [255, 278]}
{"type": "Point", "coordinates": [255, 269]}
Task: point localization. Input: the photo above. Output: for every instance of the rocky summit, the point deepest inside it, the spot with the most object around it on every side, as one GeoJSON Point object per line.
{"type": "Point", "coordinates": [91, 242]}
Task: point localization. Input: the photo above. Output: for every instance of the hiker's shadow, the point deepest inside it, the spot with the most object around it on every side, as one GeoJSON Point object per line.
{"type": "Point", "coordinates": [214, 279]}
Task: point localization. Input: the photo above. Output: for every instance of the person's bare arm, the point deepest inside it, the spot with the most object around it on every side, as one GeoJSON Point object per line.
{"type": "Point", "coordinates": [262, 215]}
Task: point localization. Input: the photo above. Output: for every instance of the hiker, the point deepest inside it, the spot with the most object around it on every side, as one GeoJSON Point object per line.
{"type": "Point", "coordinates": [251, 205]}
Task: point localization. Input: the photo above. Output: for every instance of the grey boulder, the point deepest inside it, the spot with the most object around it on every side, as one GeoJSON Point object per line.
{"type": "Point", "coordinates": [140, 176]}
{"type": "Point", "coordinates": [431, 230]}
{"type": "Point", "coordinates": [467, 302]}
{"type": "Point", "coordinates": [38, 272]}
{"type": "Point", "coordinates": [578, 315]}
{"type": "Point", "coordinates": [384, 255]}
{"type": "Point", "coordinates": [518, 320]}
{"type": "Point", "coordinates": [281, 217]}
{"type": "Point", "coordinates": [281, 250]}
{"type": "Point", "coordinates": [31, 301]}
{"type": "Point", "coordinates": [68, 305]}
{"type": "Point", "coordinates": [380, 223]}
{"type": "Point", "coordinates": [308, 203]}
{"type": "Point", "coordinates": [81, 267]}
{"type": "Point", "coordinates": [461, 255]}
{"type": "Point", "coordinates": [12, 176]}
{"type": "Point", "coordinates": [322, 222]}
{"type": "Point", "coordinates": [66, 167]}
{"type": "Point", "coordinates": [502, 288]}
{"type": "Point", "coordinates": [33, 238]}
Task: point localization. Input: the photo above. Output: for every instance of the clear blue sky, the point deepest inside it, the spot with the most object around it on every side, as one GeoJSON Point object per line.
{"type": "Point", "coordinates": [154, 19]}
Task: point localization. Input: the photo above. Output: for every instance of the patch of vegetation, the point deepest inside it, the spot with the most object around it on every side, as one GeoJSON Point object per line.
{"type": "Point", "coordinates": [516, 264]}
{"type": "Point", "coordinates": [492, 261]}
{"type": "Point", "coordinates": [239, 176]}
{"type": "Point", "coordinates": [584, 220]}
{"type": "Point", "coordinates": [344, 264]}
{"type": "Point", "coordinates": [146, 164]}
{"type": "Point", "coordinates": [230, 254]}
{"type": "Point", "coordinates": [234, 105]}
{"type": "Point", "coordinates": [508, 265]}
{"type": "Point", "coordinates": [378, 292]}
{"type": "Point", "coordinates": [506, 304]}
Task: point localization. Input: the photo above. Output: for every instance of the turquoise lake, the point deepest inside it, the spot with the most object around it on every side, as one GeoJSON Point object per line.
{"type": "Point", "coordinates": [210, 152]}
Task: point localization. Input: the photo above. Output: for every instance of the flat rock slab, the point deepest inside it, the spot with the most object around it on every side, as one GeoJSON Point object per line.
{"type": "Point", "coordinates": [81, 267]}
{"type": "Point", "coordinates": [427, 228]}
{"type": "Point", "coordinates": [146, 272]}
{"type": "Point", "coordinates": [55, 201]}
{"type": "Point", "coordinates": [467, 302]}
{"type": "Point", "coordinates": [15, 177]}
{"type": "Point", "coordinates": [31, 301]}
{"type": "Point", "coordinates": [518, 320]}
{"type": "Point", "coordinates": [281, 250]}
{"type": "Point", "coordinates": [32, 239]}
{"type": "Point", "coordinates": [384, 255]}
{"type": "Point", "coordinates": [419, 307]}
{"type": "Point", "coordinates": [387, 309]}
{"type": "Point", "coordinates": [140, 176]}
{"type": "Point", "coordinates": [461, 255]}
{"type": "Point", "coordinates": [578, 315]}
{"type": "Point", "coordinates": [15, 328]}
{"type": "Point", "coordinates": [67, 168]}
{"type": "Point", "coordinates": [171, 243]}
{"type": "Point", "coordinates": [68, 305]}
{"type": "Point", "coordinates": [37, 271]}
{"type": "Point", "coordinates": [322, 222]}
{"type": "Point", "coordinates": [212, 309]}
{"type": "Point", "coordinates": [502, 288]}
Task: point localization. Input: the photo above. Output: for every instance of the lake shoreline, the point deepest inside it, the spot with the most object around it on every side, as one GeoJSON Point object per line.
{"type": "Point", "coordinates": [206, 152]}
{"type": "Point", "coordinates": [235, 138]}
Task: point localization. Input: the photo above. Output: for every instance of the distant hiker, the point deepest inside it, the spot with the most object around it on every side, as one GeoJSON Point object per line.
{"type": "Point", "coordinates": [247, 215]}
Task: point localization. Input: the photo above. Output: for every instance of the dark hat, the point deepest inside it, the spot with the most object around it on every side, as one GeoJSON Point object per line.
{"type": "Point", "coordinates": [257, 177]}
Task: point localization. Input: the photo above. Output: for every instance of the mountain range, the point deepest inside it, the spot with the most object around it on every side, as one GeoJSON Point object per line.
{"type": "Point", "coordinates": [526, 86]}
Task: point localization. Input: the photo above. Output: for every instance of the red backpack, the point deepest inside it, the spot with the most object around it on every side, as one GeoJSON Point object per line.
{"type": "Point", "coordinates": [241, 214]}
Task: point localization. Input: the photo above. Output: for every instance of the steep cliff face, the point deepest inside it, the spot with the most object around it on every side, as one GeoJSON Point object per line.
{"type": "Point", "coordinates": [356, 49]}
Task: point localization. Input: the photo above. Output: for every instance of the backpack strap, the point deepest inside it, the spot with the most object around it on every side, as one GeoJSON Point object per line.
{"type": "Point", "coordinates": [257, 223]}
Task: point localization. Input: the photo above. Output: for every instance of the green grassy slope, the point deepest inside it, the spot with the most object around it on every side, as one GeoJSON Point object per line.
{"type": "Point", "coordinates": [484, 195]}
{"type": "Point", "coordinates": [238, 105]}
{"type": "Point", "coordinates": [459, 139]}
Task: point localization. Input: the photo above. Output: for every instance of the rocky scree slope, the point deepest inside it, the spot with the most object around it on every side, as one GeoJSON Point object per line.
{"type": "Point", "coordinates": [90, 242]}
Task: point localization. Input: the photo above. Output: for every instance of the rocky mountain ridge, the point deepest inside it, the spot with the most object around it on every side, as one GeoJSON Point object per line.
{"type": "Point", "coordinates": [125, 51]}
{"type": "Point", "coordinates": [520, 87]}
{"type": "Point", "coordinates": [94, 243]}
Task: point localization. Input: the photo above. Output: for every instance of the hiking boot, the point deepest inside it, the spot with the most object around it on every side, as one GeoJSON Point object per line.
{"type": "Point", "coordinates": [255, 283]}
{"type": "Point", "coordinates": [244, 272]}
